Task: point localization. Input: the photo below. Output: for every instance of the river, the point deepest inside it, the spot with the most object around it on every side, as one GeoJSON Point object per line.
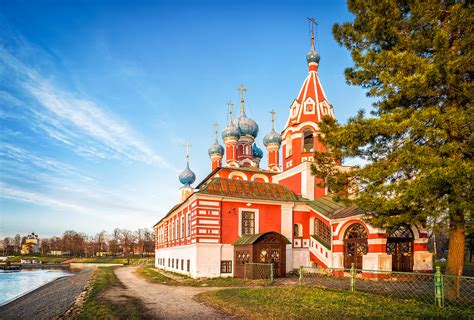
{"type": "Point", "coordinates": [16, 284]}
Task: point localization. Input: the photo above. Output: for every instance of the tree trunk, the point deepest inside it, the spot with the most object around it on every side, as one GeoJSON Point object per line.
{"type": "Point", "coordinates": [455, 263]}
{"type": "Point", "coordinates": [456, 250]}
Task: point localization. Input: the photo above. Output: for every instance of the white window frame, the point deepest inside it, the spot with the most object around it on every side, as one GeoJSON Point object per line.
{"type": "Point", "coordinates": [188, 224]}
{"type": "Point", "coordinates": [257, 219]}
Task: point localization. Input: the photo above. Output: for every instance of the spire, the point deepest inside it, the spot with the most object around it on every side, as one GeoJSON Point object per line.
{"type": "Point", "coordinates": [312, 57]}
{"type": "Point", "coordinates": [230, 106]}
{"type": "Point", "coordinates": [242, 89]}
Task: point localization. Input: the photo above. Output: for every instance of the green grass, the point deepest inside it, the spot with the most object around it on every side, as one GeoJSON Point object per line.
{"type": "Point", "coordinates": [155, 276]}
{"type": "Point", "coordinates": [97, 307]}
{"type": "Point", "coordinates": [316, 303]}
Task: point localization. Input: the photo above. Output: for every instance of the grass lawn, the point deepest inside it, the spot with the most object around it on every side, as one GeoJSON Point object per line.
{"type": "Point", "coordinates": [97, 307]}
{"type": "Point", "coordinates": [316, 303]}
{"type": "Point", "coordinates": [153, 275]}
{"type": "Point", "coordinates": [46, 259]}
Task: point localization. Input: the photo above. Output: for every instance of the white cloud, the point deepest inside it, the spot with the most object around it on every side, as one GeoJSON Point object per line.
{"type": "Point", "coordinates": [80, 121]}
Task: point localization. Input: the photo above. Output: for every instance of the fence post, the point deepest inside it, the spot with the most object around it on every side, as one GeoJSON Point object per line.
{"type": "Point", "coordinates": [300, 280]}
{"type": "Point", "coordinates": [271, 273]}
{"type": "Point", "coordinates": [438, 286]}
{"type": "Point", "coordinates": [353, 279]}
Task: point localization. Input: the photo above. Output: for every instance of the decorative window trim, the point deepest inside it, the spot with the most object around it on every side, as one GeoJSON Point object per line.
{"type": "Point", "coordinates": [259, 175]}
{"type": "Point", "coordinates": [238, 174]}
{"type": "Point", "coordinates": [256, 216]}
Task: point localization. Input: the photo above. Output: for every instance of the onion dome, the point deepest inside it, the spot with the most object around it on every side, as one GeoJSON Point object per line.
{"type": "Point", "coordinates": [272, 137]}
{"type": "Point", "coordinates": [216, 148]}
{"type": "Point", "coordinates": [187, 177]}
{"type": "Point", "coordinates": [313, 56]}
{"type": "Point", "coordinates": [246, 125]}
{"type": "Point", "coordinates": [231, 130]}
{"type": "Point", "coordinates": [257, 152]}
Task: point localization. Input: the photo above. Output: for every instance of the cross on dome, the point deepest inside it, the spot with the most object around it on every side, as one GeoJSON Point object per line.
{"type": "Point", "coordinates": [187, 145]}
{"type": "Point", "coordinates": [242, 89]}
{"type": "Point", "coordinates": [230, 106]}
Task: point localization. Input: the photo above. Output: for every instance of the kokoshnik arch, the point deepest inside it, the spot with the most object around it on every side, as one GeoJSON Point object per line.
{"type": "Point", "coordinates": [242, 213]}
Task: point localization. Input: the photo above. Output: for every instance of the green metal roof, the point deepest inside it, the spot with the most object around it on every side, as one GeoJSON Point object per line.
{"type": "Point", "coordinates": [252, 238]}
{"type": "Point", "coordinates": [333, 209]}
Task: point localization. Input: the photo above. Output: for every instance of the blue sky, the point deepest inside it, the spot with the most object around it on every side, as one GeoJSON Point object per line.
{"type": "Point", "coordinates": [97, 99]}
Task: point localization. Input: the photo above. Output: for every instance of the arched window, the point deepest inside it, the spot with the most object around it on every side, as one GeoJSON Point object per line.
{"type": "Point", "coordinates": [355, 245]}
{"type": "Point", "coordinates": [322, 231]}
{"type": "Point", "coordinates": [356, 231]}
{"type": "Point", "coordinates": [308, 141]}
{"type": "Point", "coordinates": [289, 147]}
{"type": "Point", "coordinates": [296, 230]}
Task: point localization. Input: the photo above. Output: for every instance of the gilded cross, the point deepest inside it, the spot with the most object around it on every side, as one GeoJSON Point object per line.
{"type": "Point", "coordinates": [313, 23]}
{"type": "Point", "coordinates": [187, 145]}
{"type": "Point", "coordinates": [216, 130]}
{"type": "Point", "coordinates": [273, 118]}
{"type": "Point", "coordinates": [230, 106]}
{"type": "Point", "coordinates": [242, 89]}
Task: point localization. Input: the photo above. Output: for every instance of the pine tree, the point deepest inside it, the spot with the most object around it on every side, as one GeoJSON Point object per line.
{"type": "Point", "coordinates": [415, 58]}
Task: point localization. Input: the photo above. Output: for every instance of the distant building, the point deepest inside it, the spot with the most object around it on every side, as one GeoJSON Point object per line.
{"type": "Point", "coordinates": [31, 244]}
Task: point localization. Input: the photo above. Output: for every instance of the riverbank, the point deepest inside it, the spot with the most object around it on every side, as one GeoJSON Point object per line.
{"type": "Point", "coordinates": [49, 301]}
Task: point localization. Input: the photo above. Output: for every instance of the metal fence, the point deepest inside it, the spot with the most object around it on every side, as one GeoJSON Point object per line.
{"type": "Point", "coordinates": [431, 288]}
{"type": "Point", "coordinates": [259, 271]}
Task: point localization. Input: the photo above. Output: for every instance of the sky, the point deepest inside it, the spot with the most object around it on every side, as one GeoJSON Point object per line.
{"type": "Point", "coordinates": [97, 99]}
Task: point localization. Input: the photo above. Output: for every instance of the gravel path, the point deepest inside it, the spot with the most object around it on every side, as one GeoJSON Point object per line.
{"type": "Point", "coordinates": [49, 301]}
{"type": "Point", "coordinates": [164, 301]}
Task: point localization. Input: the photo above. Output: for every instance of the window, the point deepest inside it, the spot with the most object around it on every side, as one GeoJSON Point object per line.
{"type": "Point", "coordinates": [322, 231]}
{"type": "Point", "coordinates": [188, 267]}
{"type": "Point", "coordinates": [182, 227]}
{"type": "Point", "coordinates": [168, 262]}
{"type": "Point", "coordinates": [188, 221]}
{"type": "Point", "coordinates": [172, 231]}
{"type": "Point", "coordinates": [243, 257]}
{"type": "Point", "coordinates": [296, 230]}
{"type": "Point", "coordinates": [226, 266]}
{"type": "Point", "coordinates": [309, 107]}
{"type": "Point", "coordinates": [248, 222]}
{"type": "Point", "coordinates": [177, 228]}
{"type": "Point", "coordinates": [288, 145]}
{"type": "Point", "coordinates": [172, 263]}
{"type": "Point", "coordinates": [308, 141]}
{"type": "Point", "coordinates": [182, 264]}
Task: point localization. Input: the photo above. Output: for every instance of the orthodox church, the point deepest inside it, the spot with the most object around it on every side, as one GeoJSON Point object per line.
{"type": "Point", "coordinates": [243, 213]}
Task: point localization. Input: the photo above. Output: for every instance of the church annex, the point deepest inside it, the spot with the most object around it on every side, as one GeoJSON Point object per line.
{"type": "Point", "coordinates": [244, 213]}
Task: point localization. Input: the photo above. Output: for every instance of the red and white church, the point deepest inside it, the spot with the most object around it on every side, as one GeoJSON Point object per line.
{"type": "Point", "coordinates": [243, 213]}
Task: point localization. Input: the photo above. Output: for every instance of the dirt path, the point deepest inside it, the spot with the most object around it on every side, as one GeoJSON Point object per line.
{"type": "Point", "coordinates": [164, 301]}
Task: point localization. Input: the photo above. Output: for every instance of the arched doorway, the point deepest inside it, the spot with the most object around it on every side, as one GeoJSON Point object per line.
{"type": "Point", "coordinates": [355, 245]}
{"type": "Point", "coordinates": [400, 246]}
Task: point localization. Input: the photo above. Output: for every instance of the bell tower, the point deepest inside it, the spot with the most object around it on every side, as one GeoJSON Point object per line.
{"type": "Point", "coordinates": [299, 137]}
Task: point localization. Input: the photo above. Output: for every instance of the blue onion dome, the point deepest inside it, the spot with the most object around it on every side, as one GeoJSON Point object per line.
{"type": "Point", "coordinates": [187, 177]}
{"type": "Point", "coordinates": [257, 152]}
{"type": "Point", "coordinates": [216, 149]}
{"type": "Point", "coordinates": [246, 125]}
{"type": "Point", "coordinates": [272, 137]}
{"type": "Point", "coordinates": [231, 131]}
{"type": "Point", "coordinates": [313, 56]}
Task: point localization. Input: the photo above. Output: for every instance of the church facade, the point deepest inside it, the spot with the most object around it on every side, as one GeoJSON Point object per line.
{"type": "Point", "coordinates": [243, 213]}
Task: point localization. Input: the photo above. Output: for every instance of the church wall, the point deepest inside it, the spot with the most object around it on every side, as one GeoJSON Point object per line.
{"type": "Point", "coordinates": [269, 218]}
{"type": "Point", "coordinates": [292, 182]}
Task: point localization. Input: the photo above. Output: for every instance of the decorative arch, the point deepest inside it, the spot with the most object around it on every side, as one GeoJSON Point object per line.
{"type": "Point", "coordinates": [259, 176]}
{"type": "Point", "coordinates": [237, 175]}
{"type": "Point", "coordinates": [355, 244]}
{"type": "Point", "coordinates": [400, 242]}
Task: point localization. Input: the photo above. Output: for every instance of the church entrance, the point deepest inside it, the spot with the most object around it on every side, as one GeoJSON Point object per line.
{"type": "Point", "coordinates": [268, 248]}
{"type": "Point", "coordinates": [355, 245]}
{"type": "Point", "coordinates": [400, 246]}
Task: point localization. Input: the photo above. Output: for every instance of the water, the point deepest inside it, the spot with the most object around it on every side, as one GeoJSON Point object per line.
{"type": "Point", "coordinates": [15, 284]}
